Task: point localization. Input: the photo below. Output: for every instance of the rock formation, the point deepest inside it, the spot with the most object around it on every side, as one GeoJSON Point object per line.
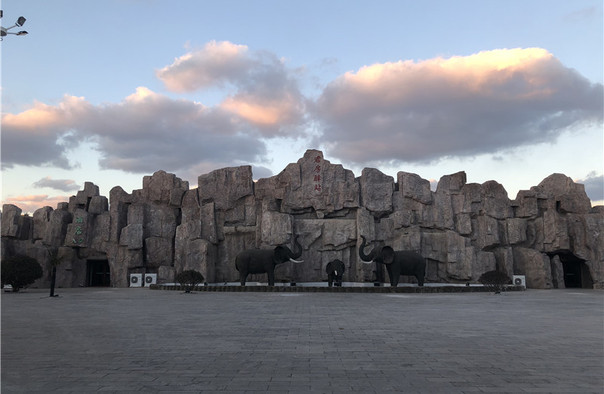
{"type": "Point", "coordinates": [549, 233]}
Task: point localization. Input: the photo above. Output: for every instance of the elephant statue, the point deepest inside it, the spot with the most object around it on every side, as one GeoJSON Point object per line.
{"type": "Point", "coordinates": [335, 270]}
{"type": "Point", "coordinates": [399, 262]}
{"type": "Point", "coordinates": [260, 261]}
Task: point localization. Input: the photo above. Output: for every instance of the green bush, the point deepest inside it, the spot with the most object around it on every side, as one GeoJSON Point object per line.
{"type": "Point", "coordinates": [20, 271]}
{"type": "Point", "coordinates": [189, 279]}
{"type": "Point", "coordinates": [495, 280]}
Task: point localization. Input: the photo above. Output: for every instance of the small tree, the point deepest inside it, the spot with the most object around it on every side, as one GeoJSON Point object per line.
{"type": "Point", "coordinates": [20, 271]}
{"type": "Point", "coordinates": [189, 279]}
{"type": "Point", "coordinates": [494, 280]}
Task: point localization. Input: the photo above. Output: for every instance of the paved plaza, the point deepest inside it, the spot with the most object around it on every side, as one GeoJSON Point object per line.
{"type": "Point", "coordinates": [140, 340]}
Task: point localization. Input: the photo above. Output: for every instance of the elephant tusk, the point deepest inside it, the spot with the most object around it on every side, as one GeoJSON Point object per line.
{"type": "Point", "coordinates": [336, 273]}
{"type": "Point", "coordinates": [367, 262]}
{"type": "Point", "coordinates": [296, 261]}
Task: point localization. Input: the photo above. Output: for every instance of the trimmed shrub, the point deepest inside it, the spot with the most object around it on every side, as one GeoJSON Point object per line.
{"type": "Point", "coordinates": [20, 271]}
{"type": "Point", "coordinates": [189, 279]}
{"type": "Point", "coordinates": [495, 280]}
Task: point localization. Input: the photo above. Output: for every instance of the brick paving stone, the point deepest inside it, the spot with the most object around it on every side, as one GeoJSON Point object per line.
{"type": "Point", "coordinates": [142, 340]}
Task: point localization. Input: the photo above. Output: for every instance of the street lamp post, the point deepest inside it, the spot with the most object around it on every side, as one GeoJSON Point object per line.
{"type": "Point", "coordinates": [4, 31]}
{"type": "Point", "coordinates": [55, 260]}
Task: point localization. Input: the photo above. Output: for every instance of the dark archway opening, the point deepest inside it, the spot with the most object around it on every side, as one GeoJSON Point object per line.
{"type": "Point", "coordinates": [576, 272]}
{"type": "Point", "coordinates": [98, 273]}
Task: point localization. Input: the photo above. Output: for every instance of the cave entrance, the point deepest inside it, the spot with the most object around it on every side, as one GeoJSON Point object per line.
{"type": "Point", "coordinates": [98, 273]}
{"type": "Point", "coordinates": [576, 275]}
{"type": "Point", "coordinates": [576, 272]}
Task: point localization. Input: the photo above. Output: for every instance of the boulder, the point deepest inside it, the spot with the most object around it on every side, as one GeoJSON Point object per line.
{"type": "Point", "coordinates": [132, 236]}
{"type": "Point", "coordinates": [98, 205]}
{"type": "Point", "coordinates": [516, 230]}
{"type": "Point", "coordinates": [486, 234]}
{"type": "Point", "coordinates": [314, 185]}
{"type": "Point", "coordinates": [158, 251]}
{"type": "Point", "coordinates": [276, 228]}
{"type": "Point", "coordinates": [163, 188]}
{"type": "Point", "coordinates": [209, 229]}
{"type": "Point", "coordinates": [413, 187]}
{"type": "Point", "coordinates": [100, 230]}
{"type": "Point", "coordinates": [119, 203]}
{"type": "Point", "coordinates": [11, 215]}
{"type": "Point", "coordinates": [84, 197]}
{"type": "Point", "coordinates": [41, 219]}
{"type": "Point", "coordinates": [535, 266]}
{"type": "Point", "coordinates": [56, 229]}
{"type": "Point", "coordinates": [495, 200]}
{"type": "Point", "coordinates": [160, 221]}
{"type": "Point", "coordinates": [557, 273]}
{"type": "Point", "coordinates": [376, 191]}
{"type": "Point", "coordinates": [338, 234]}
{"type": "Point", "coordinates": [225, 187]}
{"type": "Point", "coordinates": [564, 195]}
{"type": "Point", "coordinates": [526, 204]}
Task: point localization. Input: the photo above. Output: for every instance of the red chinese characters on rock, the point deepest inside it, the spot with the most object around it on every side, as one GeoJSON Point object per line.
{"type": "Point", "coordinates": [317, 180]}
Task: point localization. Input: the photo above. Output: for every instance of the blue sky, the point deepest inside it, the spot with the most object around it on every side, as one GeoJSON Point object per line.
{"type": "Point", "coordinates": [110, 91]}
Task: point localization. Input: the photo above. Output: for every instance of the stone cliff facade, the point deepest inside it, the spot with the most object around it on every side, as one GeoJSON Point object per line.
{"type": "Point", "coordinates": [550, 233]}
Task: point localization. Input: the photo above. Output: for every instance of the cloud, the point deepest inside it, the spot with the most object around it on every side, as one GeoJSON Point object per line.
{"type": "Point", "coordinates": [396, 112]}
{"type": "Point", "coordinates": [460, 106]}
{"type": "Point", "coordinates": [266, 93]}
{"type": "Point", "coordinates": [29, 204]}
{"type": "Point", "coordinates": [594, 186]}
{"type": "Point", "coordinates": [147, 131]}
{"type": "Point", "coordinates": [218, 63]}
{"type": "Point", "coordinates": [583, 15]}
{"type": "Point", "coordinates": [143, 133]}
{"type": "Point", "coordinates": [58, 184]}
{"type": "Point", "coordinates": [42, 134]}
{"type": "Point", "coordinates": [267, 114]}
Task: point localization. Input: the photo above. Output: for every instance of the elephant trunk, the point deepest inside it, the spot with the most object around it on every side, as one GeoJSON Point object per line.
{"type": "Point", "coordinates": [368, 259]}
{"type": "Point", "coordinates": [295, 255]}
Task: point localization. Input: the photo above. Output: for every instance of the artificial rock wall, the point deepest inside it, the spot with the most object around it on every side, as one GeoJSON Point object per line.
{"type": "Point", "coordinates": [463, 229]}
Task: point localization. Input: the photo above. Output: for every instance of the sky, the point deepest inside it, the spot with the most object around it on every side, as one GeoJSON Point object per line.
{"type": "Point", "coordinates": [110, 91]}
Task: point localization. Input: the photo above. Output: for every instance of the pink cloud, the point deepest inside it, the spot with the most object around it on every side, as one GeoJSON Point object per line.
{"type": "Point", "coordinates": [421, 111]}
{"type": "Point", "coordinates": [29, 204]}
{"type": "Point", "coordinates": [215, 64]}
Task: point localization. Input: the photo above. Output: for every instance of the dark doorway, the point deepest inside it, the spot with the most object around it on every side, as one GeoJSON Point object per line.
{"type": "Point", "coordinates": [98, 274]}
{"type": "Point", "coordinates": [576, 272]}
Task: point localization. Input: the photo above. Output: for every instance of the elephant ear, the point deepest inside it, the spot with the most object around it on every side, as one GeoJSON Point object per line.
{"type": "Point", "coordinates": [388, 255]}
